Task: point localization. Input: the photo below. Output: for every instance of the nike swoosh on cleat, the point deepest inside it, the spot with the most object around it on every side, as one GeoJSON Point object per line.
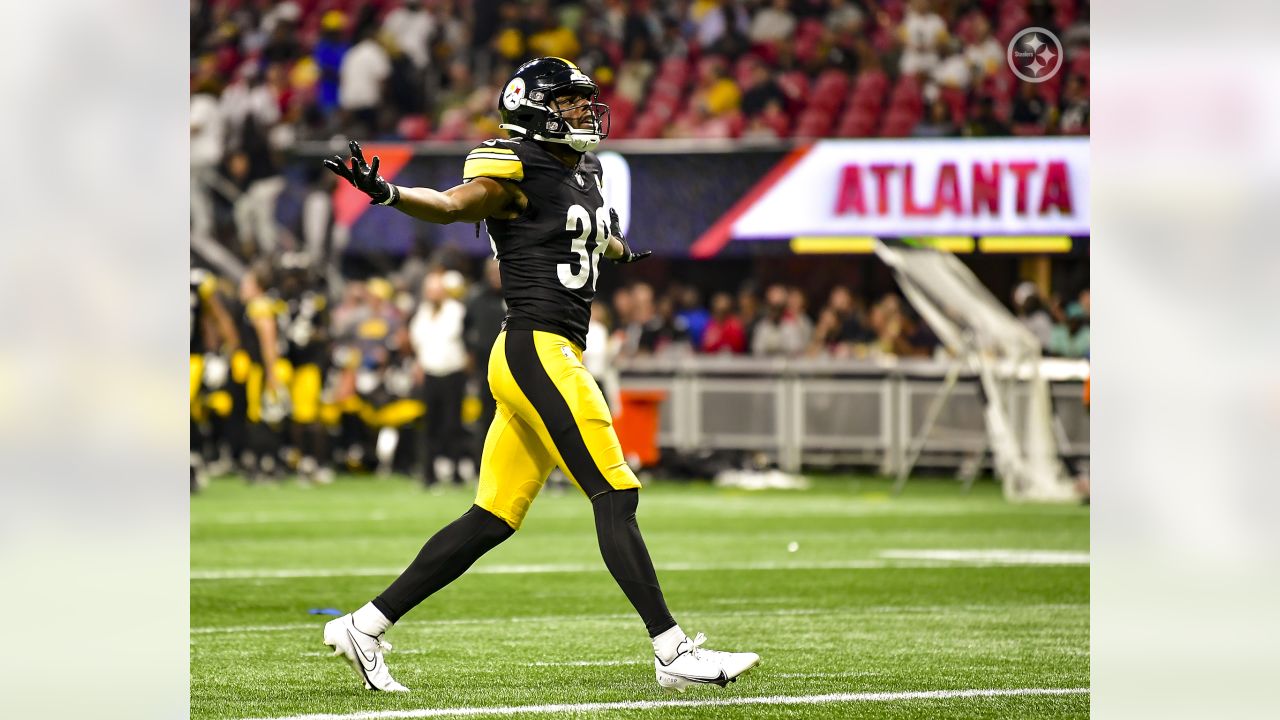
{"type": "Point", "coordinates": [373, 661]}
{"type": "Point", "coordinates": [722, 679]}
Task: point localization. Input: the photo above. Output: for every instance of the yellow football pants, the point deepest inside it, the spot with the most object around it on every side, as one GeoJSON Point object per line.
{"type": "Point", "coordinates": [550, 412]}
{"type": "Point", "coordinates": [197, 373]}
{"type": "Point", "coordinates": [304, 392]}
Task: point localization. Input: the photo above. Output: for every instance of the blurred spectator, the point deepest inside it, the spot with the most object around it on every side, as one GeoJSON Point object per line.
{"type": "Point", "coordinates": [761, 90]}
{"type": "Point", "coordinates": [1074, 118]}
{"type": "Point", "coordinates": [985, 54]}
{"type": "Point", "coordinates": [894, 329]}
{"type": "Point", "coordinates": [255, 167]}
{"type": "Point", "coordinates": [673, 43]}
{"type": "Point", "coordinates": [985, 123]}
{"type": "Point", "coordinates": [937, 123]}
{"type": "Point", "coordinates": [844, 17]}
{"type": "Point", "coordinates": [508, 41]}
{"type": "Point", "coordinates": [693, 314]}
{"type": "Point", "coordinates": [317, 217]}
{"type": "Point", "coordinates": [1071, 339]}
{"type": "Point", "coordinates": [841, 329]}
{"type": "Point", "coordinates": [547, 35]}
{"type": "Point", "coordinates": [623, 44]}
{"type": "Point", "coordinates": [410, 26]}
{"type": "Point", "coordinates": [599, 355]}
{"type": "Point", "coordinates": [635, 312]}
{"type": "Point", "coordinates": [748, 311]}
{"type": "Point", "coordinates": [596, 58]}
{"type": "Point", "coordinates": [246, 100]}
{"type": "Point", "coordinates": [772, 24]}
{"type": "Point", "coordinates": [724, 332]}
{"type": "Point", "coordinates": [921, 33]}
{"type": "Point", "coordinates": [482, 323]}
{"type": "Point", "coordinates": [436, 333]}
{"type": "Point", "coordinates": [1029, 107]}
{"type": "Point", "coordinates": [779, 333]}
{"type": "Point", "coordinates": [280, 24]}
{"type": "Point", "coordinates": [798, 312]}
{"type": "Point", "coordinates": [327, 54]}
{"type": "Point", "coordinates": [954, 70]}
{"type": "Point", "coordinates": [634, 76]}
{"type": "Point", "coordinates": [1030, 310]}
{"type": "Point", "coordinates": [207, 144]}
{"type": "Point", "coordinates": [623, 302]}
{"type": "Point", "coordinates": [665, 333]}
{"type": "Point", "coordinates": [717, 21]}
{"type": "Point", "coordinates": [364, 70]}
{"type": "Point", "coordinates": [717, 94]}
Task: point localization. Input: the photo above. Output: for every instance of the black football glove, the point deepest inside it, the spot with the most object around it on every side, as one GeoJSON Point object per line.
{"type": "Point", "coordinates": [628, 255]}
{"type": "Point", "coordinates": [364, 177]}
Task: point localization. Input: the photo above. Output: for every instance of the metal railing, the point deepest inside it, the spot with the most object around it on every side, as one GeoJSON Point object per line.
{"type": "Point", "coordinates": [815, 412]}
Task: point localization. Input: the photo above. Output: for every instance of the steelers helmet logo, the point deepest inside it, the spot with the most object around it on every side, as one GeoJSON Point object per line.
{"type": "Point", "coordinates": [514, 93]}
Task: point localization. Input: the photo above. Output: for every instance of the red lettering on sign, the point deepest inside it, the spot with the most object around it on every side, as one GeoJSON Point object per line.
{"type": "Point", "coordinates": [1057, 189]}
{"type": "Point", "coordinates": [946, 194]}
{"type": "Point", "coordinates": [850, 197]}
{"type": "Point", "coordinates": [1021, 170]}
{"type": "Point", "coordinates": [881, 171]}
{"type": "Point", "coordinates": [986, 188]}
{"type": "Point", "coordinates": [909, 207]}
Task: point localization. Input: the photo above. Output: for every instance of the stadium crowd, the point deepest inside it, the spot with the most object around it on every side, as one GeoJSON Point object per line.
{"type": "Point", "coordinates": [286, 374]}
{"type": "Point", "coordinates": [431, 69]}
{"type": "Point", "coordinates": [300, 369]}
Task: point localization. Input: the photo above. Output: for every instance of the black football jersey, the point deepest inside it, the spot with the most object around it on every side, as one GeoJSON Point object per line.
{"type": "Point", "coordinates": [549, 256]}
{"type": "Point", "coordinates": [203, 285]}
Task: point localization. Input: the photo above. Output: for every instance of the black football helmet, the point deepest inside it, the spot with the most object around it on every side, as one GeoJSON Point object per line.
{"type": "Point", "coordinates": [529, 108]}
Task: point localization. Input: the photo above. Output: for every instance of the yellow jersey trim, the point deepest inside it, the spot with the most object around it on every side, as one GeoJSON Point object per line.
{"type": "Point", "coordinates": [511, 169]}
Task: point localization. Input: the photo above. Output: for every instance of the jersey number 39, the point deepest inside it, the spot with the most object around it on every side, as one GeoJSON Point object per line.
{"type": "Point", "coordinates": [579, 221]}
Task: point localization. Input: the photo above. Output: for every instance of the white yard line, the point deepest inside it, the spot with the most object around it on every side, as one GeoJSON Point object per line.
{"type": "Point", "coordinates": [889, 559]}
{"type": "Point", "coordinates": [707, 702]}
{"type": "Point", "coordinates": [992, 557]}
{"type": "Point", "coordinates": [629, 617]}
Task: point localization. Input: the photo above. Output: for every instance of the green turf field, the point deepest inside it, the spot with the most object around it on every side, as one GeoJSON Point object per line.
{"type": "Point", "coordinates": [861, 615]}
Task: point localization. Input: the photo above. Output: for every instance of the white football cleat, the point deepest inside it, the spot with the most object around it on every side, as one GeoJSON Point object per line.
{"type": "Point", "coordinates": [694, 664]}
{"type": "Point", "coordinates": [363, 651]}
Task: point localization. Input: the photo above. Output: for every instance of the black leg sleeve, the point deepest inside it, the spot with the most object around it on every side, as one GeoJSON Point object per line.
{"type": "Point", "coordinates": [446, 555]}
{"type": "Point", "coordinates": [628, 559]}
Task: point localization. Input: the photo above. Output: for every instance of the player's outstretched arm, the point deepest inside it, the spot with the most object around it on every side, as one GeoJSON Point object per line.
{"type": "Point", "coordinates": [470, 202]}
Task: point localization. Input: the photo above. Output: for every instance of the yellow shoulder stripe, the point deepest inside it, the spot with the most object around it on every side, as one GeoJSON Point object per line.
{"type": "Point", "coordinates": [511, 169]}
{"type": "Point", "coordinates": [496, 150]}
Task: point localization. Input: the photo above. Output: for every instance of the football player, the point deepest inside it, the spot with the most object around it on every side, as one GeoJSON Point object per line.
{"type": "Point", "coordinates": [209, 320]}
{"type": "Point", "coordinates": [540, 194]}
{"type": "Point", "coordinates": [259, 337]}
{"type": "Point", "coordinates": [307, 332]}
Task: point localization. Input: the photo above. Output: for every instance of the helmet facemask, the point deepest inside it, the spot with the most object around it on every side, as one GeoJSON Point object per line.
{"type": "Point", "coordinates": [576, 119]}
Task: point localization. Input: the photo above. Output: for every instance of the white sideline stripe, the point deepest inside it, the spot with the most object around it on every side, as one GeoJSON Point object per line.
{"type": "Point", "coordinates": [997, 557]}
{"type": "Point", "coordinates": [252, 574]}
{"type": "Point", "coordinates": [588, 663]}
{"type": "Point", "coordinates": [630, 617]}
{"type": "Point", "coordinates": [709, 702]}
{"type": "Point", "coordinates": [890, 559]}
{"type": "Point", "coordinates": [568, 663]}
